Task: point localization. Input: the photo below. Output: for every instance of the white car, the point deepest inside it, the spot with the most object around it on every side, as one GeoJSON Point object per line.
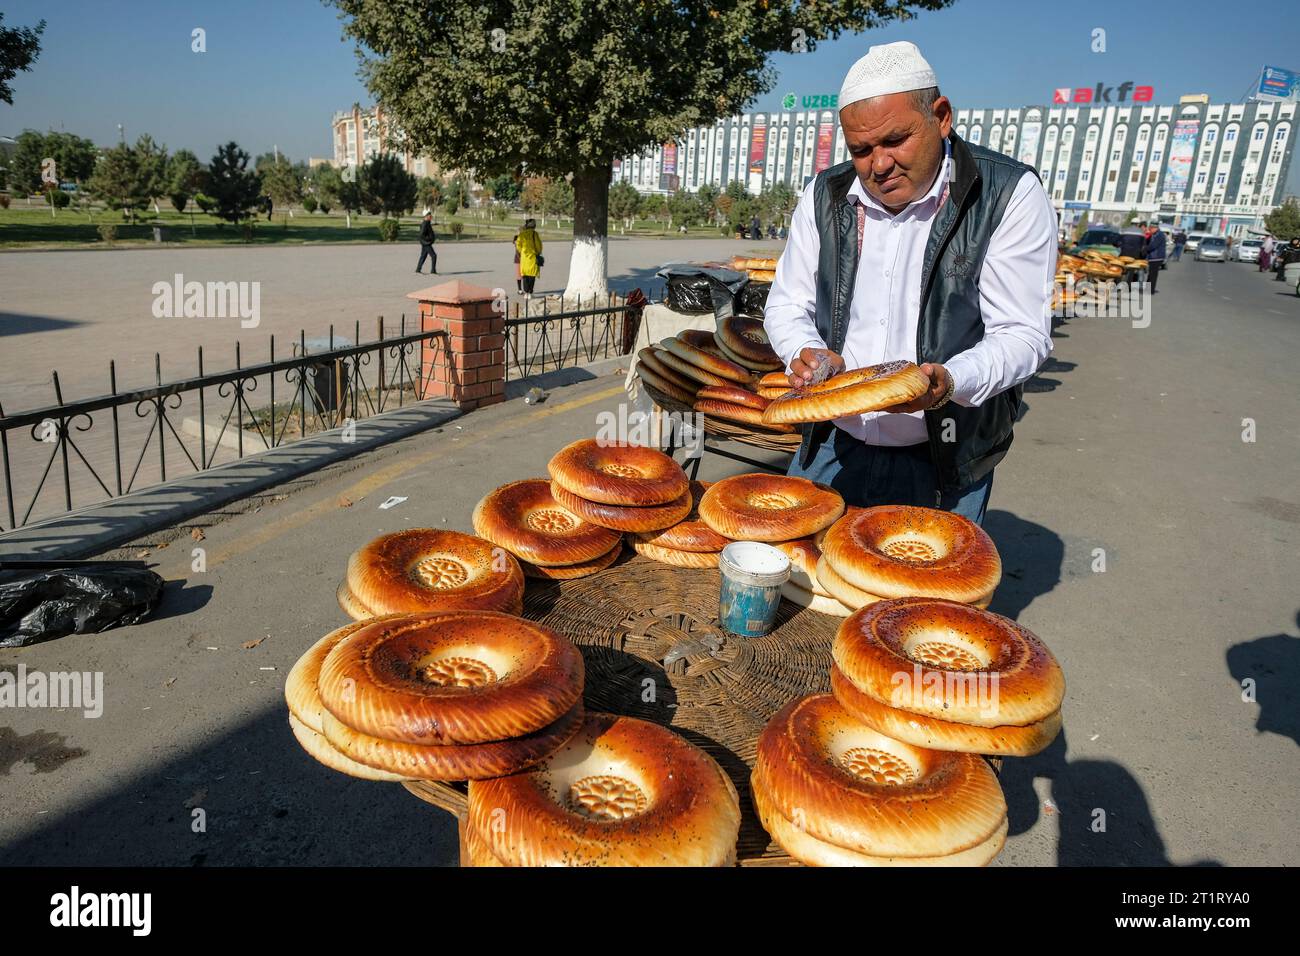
{"type": "Point", "coordinates": [1194, 240]}
{"type": "Point", "coordinates": [1247, 250]}
{"type": "Point", "coordinates": [1211, 249]}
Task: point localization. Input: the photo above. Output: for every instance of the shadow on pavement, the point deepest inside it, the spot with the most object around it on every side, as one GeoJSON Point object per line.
{"type": "Point", "coordinates": [266, 803]}
{"type": "Point", "coordinates": [1273, 663]}
{"type": "Point", "coordinates": [1101, 810]}
{"type": "Point", "coordinates": [12, 323]}
{"type": "Point", "coordinates": [1031, 561]}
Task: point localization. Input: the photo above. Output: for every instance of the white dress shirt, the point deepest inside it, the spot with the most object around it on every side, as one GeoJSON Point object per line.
{"type": "Point", "coordinates": [1015, 289]}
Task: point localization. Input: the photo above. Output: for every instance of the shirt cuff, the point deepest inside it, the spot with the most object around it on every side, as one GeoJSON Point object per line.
{"type": "Point", "coordinates": [965, 381]}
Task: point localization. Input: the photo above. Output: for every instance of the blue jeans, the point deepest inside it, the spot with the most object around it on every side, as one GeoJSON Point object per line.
{"type": "Point", "coordinates": [868, 475]}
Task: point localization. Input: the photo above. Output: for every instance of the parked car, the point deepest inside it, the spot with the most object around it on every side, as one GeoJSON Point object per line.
{"type": "Point", "coordinates": [1103, 240]}
{"type": "Point", "coordinates": [1212, 249]}
{"type": "Point", "coordinates": [1194, 241]}
{"type": "Point", "coordinates": [1247, 250]}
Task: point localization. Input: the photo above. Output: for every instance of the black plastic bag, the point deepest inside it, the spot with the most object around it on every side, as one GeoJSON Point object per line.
{"type": "Point", "coordinates": [701, 289]}
{"type": "Point", "coordinates": [752, 299]}
{"type": "Point", "coordinates": [75, 601]}
{"type": "Point", "coordinates": [690, 294]}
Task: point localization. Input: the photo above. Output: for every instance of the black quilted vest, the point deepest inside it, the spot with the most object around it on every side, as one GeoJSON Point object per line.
{"type": "Point", "coordinates": [981, 184]}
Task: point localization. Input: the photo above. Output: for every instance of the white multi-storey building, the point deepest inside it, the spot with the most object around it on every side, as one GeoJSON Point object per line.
{"type": "Point", "coordinates": [1195, 165]}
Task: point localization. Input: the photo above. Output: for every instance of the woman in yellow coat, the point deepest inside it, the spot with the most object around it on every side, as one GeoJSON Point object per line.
{"type": "Point", "coordinates": [529, 246]}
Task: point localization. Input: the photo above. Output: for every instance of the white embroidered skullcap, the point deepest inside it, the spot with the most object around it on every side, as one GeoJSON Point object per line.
{"type": "Point", "coordinates": [887, 68]}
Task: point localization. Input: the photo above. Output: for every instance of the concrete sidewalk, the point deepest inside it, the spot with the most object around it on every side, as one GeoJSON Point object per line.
{"type": "Point", "coordinates": [1130, 459]}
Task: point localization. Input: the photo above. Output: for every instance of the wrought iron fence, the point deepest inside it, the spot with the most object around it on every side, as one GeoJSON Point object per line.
{"type": "Point", "coordinates": [326, 384]}
{"type": "Point", "coordinates": [541, 340]}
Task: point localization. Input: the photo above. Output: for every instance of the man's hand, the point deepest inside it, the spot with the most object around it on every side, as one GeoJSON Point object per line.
{"type": "Point", "coordinates": [939, 381]}
{"type": "Point", "coordinates": [802, 369]}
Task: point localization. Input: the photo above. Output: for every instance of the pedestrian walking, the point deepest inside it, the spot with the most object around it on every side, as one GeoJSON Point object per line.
{"type": "Point", "coordinates": [529, 246]}
{"type": "Point", "coordinates": [519, 276]}
{"type": "Point", "coordinates": [917, 203]}
{"type": "Point", "coordinates": [1154, 253]}
{"type": "Point", "coordinates": [1180, 240]}
{"type": "Point", "coordinates": [1266, 253]}
{"type": "Point", "coordinates": [426, 245]}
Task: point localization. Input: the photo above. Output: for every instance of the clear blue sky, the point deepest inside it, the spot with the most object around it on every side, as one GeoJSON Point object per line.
{"type": "Point", "coordinates": [275, 71]}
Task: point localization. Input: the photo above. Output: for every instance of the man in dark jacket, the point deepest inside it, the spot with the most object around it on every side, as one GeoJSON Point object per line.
{"type": "Point", "coordinates": [926, 249]}
{"type": "Point", "coordinates": [426, 245]}
{"type": "Point", "coordinates": [1155, 255]}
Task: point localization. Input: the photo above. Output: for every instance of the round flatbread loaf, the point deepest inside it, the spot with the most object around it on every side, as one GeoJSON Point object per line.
{"type": "Point", "coordinates": [689, 534]}
{"type": "Point", "coordinates": [763, 507]}
{"type": "Point", "coordinates": [622, 792]}
{"type": "Point", "coordinates": [427, 569]}
{"type": "Point", "coordinates": [524, 518]}
{"type": "Point", "coordinates": [932, 639]}
{"type": "Point", "coordinates": [906, 551]}
{"type": "Point", "coordinates": [850, 786]}
{"type": "Point", "coordinates": [618, 474]}
{"type": "Point", "coordinates": [854, 392]}
{"type": "Point", "coordinates": [620, 518]}
{"type": "Point", "coordinates": [450, 677]}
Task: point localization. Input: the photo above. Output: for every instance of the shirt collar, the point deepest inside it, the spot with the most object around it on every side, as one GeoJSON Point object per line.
{"type": "Point", "coordinates": [860, 194]}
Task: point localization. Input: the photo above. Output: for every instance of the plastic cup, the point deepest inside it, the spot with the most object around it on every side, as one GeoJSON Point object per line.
{"type": "Point", "coordinates": [752, 575]}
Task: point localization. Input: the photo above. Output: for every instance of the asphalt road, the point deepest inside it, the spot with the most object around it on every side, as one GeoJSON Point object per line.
{"type": "Point", "coordinates": [1130, 453]}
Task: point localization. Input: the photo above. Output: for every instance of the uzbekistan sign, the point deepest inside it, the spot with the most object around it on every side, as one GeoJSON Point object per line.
{"type": "Point", "coordinates": [810, 101]}
{"type": "Point", "coordinates": [1101, 94]}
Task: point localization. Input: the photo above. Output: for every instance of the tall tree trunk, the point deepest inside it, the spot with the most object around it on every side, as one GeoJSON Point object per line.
{"type": "Point", "coordinates": [589, 263]}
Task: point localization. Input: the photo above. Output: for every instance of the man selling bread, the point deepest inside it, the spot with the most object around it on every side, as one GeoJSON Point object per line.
{"type": "Point", "coordinates": [925, 248]}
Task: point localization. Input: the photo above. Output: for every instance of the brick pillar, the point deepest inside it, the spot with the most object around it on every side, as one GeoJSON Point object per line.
{"type": "Point", "coordinates": [468, 364]}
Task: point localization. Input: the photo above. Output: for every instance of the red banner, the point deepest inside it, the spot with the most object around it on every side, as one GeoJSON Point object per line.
{"type": "Point", "coordinates": [825, 141]}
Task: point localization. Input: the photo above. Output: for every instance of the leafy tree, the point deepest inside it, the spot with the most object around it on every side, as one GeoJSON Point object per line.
{"type": "Point", "coordinates": [455, 195]}
{"type": "Point", "coordinates": [580, 82]}
{"type": "Point", "coordinates": [151, 160]}
{"type": "Point", "coordinates": [57, 198]}
{"type": "Point", "coordinates": [1129, 217]}
{"type": "Point", "coordinates": [309, 203]}
{"type": "Point", "coordinates": [557, 199]}
{"type": "Point", "coordinates": [281, 181]}
{"type": "Point", "coordinates": [184, 178]}
{"type": "Point", "coordinates": [781, 201]}
{"type": "Point", "coordinates": [234, 188]}
{"type": "Point", "coordinates": [25, 166]}
{"type": "Point", "coordinates": [19, 48]}
{"type": "Point", "coordinates": [1284, 221]}
{"type": "Point", "coordinates": [325, 183]}
{"type": "Point", "coordinates": [503, 188]}
{"type": "Point", "coordinates": [128, 178]}
{"type": "Point", "coordinates": [684, 208]}
{"type": "Point", "coordinates": [708, 198]}
{"type": "Point", "coordinates": [428, 192]}
{"type": "Point", "coordinates": [386, 186]}
{"type": "Point", "coordinates": [624, 201]}
{"type": "Point", "coordinates": [533, 192]}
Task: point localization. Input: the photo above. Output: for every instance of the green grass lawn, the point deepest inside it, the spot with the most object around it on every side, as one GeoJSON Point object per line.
{"type": "Point", "coordinates": [32, 227]}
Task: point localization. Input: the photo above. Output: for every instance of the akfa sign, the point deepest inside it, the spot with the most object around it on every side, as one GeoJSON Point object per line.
{"type": "Point", "coordinates": [1101, 93]}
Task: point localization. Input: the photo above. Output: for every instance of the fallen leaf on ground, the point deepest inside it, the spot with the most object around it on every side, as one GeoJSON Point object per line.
{"type": "Point", "coordinates": [249, 645]}
{"type": "Point", "coordinates": [197, 534]}
{"type": "Point", "coordinates": [344, 501]}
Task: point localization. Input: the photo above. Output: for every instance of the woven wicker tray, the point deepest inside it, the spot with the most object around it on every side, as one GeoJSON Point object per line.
{"type": "Point", "coordinates": [720, 690]}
